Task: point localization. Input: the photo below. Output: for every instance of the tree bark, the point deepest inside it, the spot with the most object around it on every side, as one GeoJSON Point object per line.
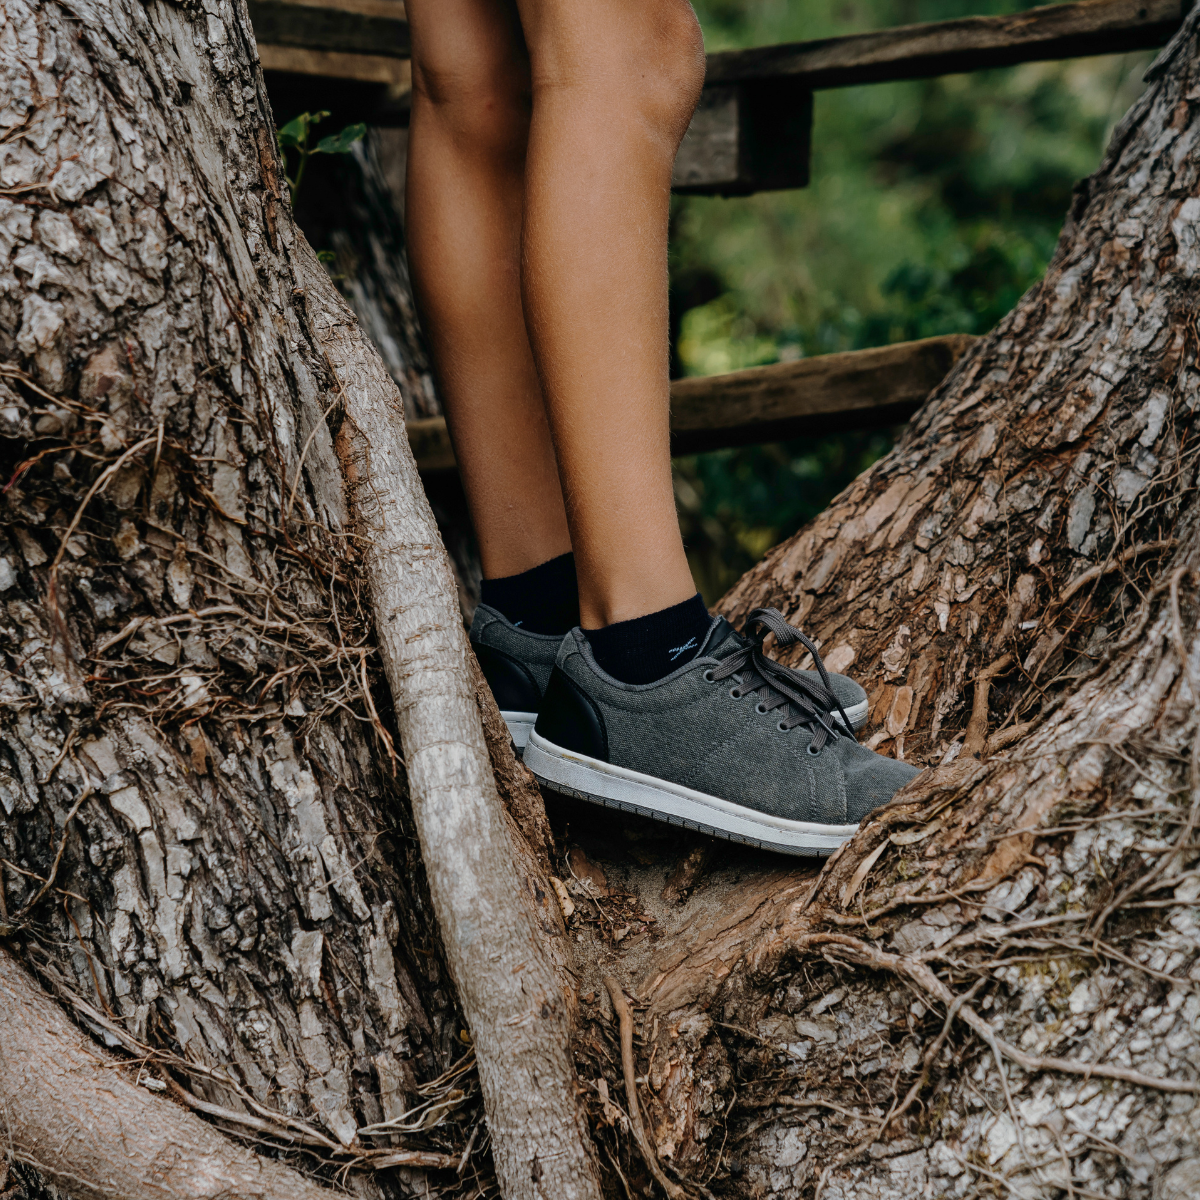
{"type": "Point", "coordinates": [209, 848]}
{"type": "Point", "coordinates": [207, 838]}
{"type": "Point", "coordinates": [78, 1115]}
{"type": "Point", "coordinates": [497, 950]}
{"type": "Point", "coordinates": [351, 209]}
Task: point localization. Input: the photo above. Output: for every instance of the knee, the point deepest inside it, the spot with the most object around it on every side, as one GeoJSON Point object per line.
{"type": "Point", "coordinates": [482, 100]}
{"type": "Point", "coordinates": [644, 60]}
{"type": "Point", "coordinates": [669, 66]}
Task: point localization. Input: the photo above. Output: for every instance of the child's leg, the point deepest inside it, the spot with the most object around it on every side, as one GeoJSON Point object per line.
{"type": "Point", "coordinates": [470, 124]}
{"type": "Point", "coordinates": [614, 86]}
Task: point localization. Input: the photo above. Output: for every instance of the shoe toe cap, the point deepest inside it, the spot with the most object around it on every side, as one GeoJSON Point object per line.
{"type": "Point", "coordinates": [873, 781]}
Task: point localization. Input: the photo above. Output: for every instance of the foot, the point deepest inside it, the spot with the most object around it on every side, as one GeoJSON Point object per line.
{"type": "Point", "coordinates": [517, 666]}
{"type": "Point", "coordinates": [732, 744]}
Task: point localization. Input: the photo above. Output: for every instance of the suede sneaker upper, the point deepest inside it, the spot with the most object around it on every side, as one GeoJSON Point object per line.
{"type": "Point", "coordinates": [517, 666]}
{"type": "Point", "coordinates": [731, 743]}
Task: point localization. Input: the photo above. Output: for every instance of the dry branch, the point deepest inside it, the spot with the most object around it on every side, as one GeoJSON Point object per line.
{"type": "Point", "coordinates": [512, 996]}
{"type": "Point", "coordinates": [865, 955]}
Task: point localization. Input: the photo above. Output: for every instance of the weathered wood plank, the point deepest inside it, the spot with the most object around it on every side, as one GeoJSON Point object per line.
{"type": "Point", "coordinates": [337, 64]}
{"type": "Point", "coordinates": [747, 137]}
{"type": "Point", "coordinates": [752, 129]}
{"type": "Point", "coordinates": [949, 47]}
{"type": "Point", "coordinates": [378, 28]}
{"type": "Point", "coordinates": [860, 389]}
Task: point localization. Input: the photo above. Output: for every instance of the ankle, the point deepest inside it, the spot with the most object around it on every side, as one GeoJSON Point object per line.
{"type": "Point", "coordinates": [649, 647]}
{"type": "Point", "coordinates": [544, 599]}
{"type": "Point", "coordinates": [639, 590]}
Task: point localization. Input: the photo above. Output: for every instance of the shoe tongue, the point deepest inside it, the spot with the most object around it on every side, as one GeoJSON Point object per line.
{"type": "Point", "coordinates": [722, 639]}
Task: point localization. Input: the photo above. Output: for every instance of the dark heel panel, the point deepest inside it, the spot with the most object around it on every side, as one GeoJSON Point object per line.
{"type": "Point", "coordinates": [569, 719]}
{"type": "Point", "coordinates": [511, 682]}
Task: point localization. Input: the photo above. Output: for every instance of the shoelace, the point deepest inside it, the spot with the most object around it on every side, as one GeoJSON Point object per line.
{"type": "Point", "coordinates": [806, 703]}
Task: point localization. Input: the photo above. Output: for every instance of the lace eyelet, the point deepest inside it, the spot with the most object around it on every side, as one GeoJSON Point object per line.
{"type": "Point", "coordinates": [813, 753]}
{"type": "Point", "coordinates": [708, 677]}
{"type": "Point", "coordinates": [760, 708]}
{"type": "Point", "coordinates": [735, 693]}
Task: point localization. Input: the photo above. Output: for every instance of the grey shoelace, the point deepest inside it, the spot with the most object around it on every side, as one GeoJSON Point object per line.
{"type": "Point", "coordinates": [806, 703]}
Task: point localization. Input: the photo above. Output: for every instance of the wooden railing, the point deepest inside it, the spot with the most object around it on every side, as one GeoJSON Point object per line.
{"type": "Point", "coordinates": [751, 132]}
{"type": "Point", "coordinates": [752, 129]}
{"type": "Point", "coordinates": [860, 389]}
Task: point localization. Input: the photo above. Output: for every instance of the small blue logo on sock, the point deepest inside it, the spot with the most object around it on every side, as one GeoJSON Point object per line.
{"type": "Point", "coordinates": [690, 644]}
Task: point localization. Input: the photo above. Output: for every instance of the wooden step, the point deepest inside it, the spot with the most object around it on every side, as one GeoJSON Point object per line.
{"type": "Point", "coordinates": [752, 128]}
{"type": "Point", "coordinates": [378, 28]}
{"type": "Point", "coordinates": [831, 393]}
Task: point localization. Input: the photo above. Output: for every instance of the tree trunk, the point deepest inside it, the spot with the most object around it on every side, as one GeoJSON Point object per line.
{"type": "Point", "coordinates": [205, 832]}
{"type": "Point", "coordinates": [208, 849]}
{"type": "Point", "coordinates": [209, 842]}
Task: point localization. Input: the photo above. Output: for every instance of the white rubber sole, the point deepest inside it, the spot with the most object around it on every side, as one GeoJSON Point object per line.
{"type": "Point", "coordinates": [520, 726]}
{"type": "Point", "coordinates": [618, 787]}
{"type": "Point", "coordinates": [857, 714]}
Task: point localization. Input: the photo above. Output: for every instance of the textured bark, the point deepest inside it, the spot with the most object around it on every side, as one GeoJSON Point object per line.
{"type": "Point", "coordinates": [497, 949]}
{"type": "Point", "coordinates": [209, 854]}
{"type": "Point", "coordinates": [208, 851]}
{"type": "Point", "coordinates": [188, 709]}
{"type": "Point", "coordinates": [351, 208]}
{"type": "Point", "coordinates": [78, 1115]}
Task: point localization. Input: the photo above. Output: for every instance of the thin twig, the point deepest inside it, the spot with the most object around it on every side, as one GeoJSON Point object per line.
{"type": "Point", "coordinates": [62, 843]}
{"type": "Point", "coordinates": [287, 512]}
{"type": "Point", "coordinates": [859, 952]}
{"type": "Point", "coordinates": [625, 1019]}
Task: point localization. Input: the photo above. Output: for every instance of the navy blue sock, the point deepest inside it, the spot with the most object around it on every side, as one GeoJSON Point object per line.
{"type": "Point", "coordinates": [649, 647]}
{"type": "Point", "coordinates": [544, 599]}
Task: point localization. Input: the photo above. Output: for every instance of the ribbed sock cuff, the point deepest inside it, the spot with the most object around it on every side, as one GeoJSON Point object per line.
{"type": "Point", "coordinates": [649, 647]}
{"type": "Point", "coordinates": [544, 599]}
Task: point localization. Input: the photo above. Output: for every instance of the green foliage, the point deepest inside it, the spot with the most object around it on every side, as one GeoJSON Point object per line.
{"type": "Point", "coordinates": [934, 205]}
{"type": "Point", "coordinates": [340, 143]}
{"type": "Point", "coordinates": [734, 505]}
{"type": "Point", "coordinates": [294, 136]}
{"type": "Point", "coordinates": [295, 132]}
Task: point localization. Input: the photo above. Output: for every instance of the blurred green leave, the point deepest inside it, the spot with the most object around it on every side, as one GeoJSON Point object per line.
{"type": "Point", "coordinates": [340, 143]}
{"type": "Point", "coordinates": [294, 136]}
{"type": "Point", "coordinates": [934, 205]}
{"type": "Point", "coordinates": [295, 132]}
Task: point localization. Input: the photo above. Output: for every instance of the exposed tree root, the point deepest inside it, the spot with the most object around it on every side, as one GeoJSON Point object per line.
{"type": "Point", "coordinates": [625, 1020]}
{"type": "Point", "coordinates": [77, 1115]}
{"type": "Point", "coordinates": [511, 992]}
{"type": "Point", "coordinates": [852, 950]}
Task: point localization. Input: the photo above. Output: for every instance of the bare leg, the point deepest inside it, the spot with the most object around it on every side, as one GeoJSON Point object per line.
{"type": "Point", "coordinates": [614, 85]}
{"type": "Point", "coordinates": [470, 124]}
{"type": "Point", "coordinates": [584, 188]}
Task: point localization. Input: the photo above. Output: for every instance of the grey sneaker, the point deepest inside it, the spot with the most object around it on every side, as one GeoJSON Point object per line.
{"type": "Point", "coordinates": [732, 744]}
{"type": "Point", "coordinates": [517, 666]}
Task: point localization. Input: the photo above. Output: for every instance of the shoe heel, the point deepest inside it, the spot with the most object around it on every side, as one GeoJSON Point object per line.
{"type": "Point", "coordinates": [520, 726]}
